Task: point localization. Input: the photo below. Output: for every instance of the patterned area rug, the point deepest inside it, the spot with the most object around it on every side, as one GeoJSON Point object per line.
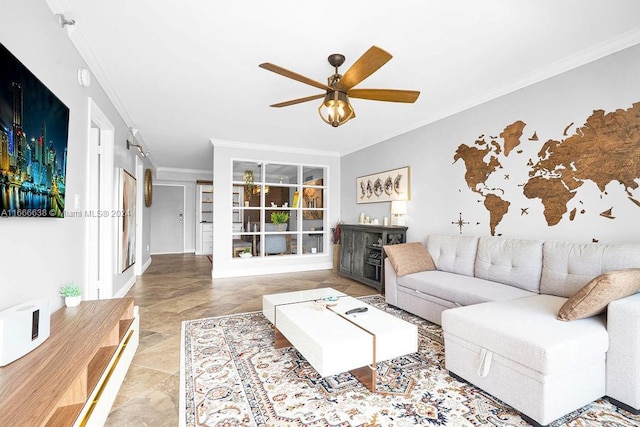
{"type": "Point", "coordinates": [232, 376]}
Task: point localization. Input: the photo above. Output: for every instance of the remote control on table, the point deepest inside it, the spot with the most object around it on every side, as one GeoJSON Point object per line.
{"type": "Point", "coordinates": [356, 310]}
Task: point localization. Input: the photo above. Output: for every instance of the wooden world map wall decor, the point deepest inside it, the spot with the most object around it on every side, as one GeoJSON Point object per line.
{"type": "Point", "coordinates": [605, 149]}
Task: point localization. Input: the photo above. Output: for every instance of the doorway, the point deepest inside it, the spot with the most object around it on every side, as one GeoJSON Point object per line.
{"type": "Point", "coordinates": [167, 219]}
{"type": "Point", "coordinates": [100, 190]}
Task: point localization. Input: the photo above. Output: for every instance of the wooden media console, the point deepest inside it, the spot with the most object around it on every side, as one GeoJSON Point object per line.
{"type": "Point", "coordinates": [74, 376]}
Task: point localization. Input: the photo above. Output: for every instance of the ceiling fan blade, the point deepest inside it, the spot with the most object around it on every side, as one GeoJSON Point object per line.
{"type": "Point", "coordinates": [295, 76]}
{"type": "Point", "coordinates": [391, 95]}
{"type": "Point", "coordinates": [298, 101]}
{"type": "Point", "coordinates": [366, 65]}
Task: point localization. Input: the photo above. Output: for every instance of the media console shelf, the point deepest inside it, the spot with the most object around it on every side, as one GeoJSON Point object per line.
{"type": "Point", "coordinates": [362, 256]}
{"type": "Point", "coordinates": [72, 378]}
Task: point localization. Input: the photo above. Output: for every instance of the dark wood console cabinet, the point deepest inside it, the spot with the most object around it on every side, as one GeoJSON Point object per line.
{"type": "Point", "coordinates": [361, 254]}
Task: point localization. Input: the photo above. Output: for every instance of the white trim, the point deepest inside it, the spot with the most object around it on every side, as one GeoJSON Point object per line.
{"type": "Point", "coordinates": [569, 63]}
{"type": "Point", "coordinates": [93, 250]}
{"type": "Point", "coordinates": [275, 269]}
{"type": "Point", "coordinates": [146, 265]}
{"type": "Point", "coordinates": [139, 174]}
{"type": "Point", "coordinates": [107, 238]}
{"type": "Point", "coordinates": [126, 288]}
{"type": "Point", "coordinates": [272, 148]}
{"type": "Point", "coordinates": [87, 53]}
{"type": "Point", "coordinates": [59, 6]}
{"type": "Point", "coordinates": [162, 169]}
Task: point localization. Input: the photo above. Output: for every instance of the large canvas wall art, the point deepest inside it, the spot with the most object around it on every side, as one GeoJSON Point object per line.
{"type": "Point", "coordinates": [127, 221]}
{"type": "Point", "coordinates": [34, 126]}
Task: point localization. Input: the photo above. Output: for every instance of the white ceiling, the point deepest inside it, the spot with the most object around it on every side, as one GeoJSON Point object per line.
{"type": "Point", "coordinates": [186, 72]}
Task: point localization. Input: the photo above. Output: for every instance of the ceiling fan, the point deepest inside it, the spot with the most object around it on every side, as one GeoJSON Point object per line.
{"type": "Point", "coordinates": [336, 108]}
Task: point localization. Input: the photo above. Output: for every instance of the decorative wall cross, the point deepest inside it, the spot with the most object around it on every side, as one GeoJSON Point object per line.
{"type": "Point", "coordinates": [460, 223]}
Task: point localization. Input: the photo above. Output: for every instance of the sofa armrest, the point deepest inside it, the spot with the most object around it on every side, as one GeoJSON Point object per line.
{"type": "Point", "coordinates": [623, 357]}
{"type": "Point", "coordinates": [390, 284]}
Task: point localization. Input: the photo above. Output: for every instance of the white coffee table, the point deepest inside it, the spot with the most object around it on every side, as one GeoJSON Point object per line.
{"type": "Point", "coordinates": [333, 342]}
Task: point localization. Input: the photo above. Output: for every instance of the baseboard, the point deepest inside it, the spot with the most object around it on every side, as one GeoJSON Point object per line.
{"type": "Point", "coordinates": [146, 265]}
{"type": "Point", "coordinates": [624, 406]}
{"type": "Point", "coordinates": [240, 269]}
{"type": "Point", "coordinates": [123, 291]}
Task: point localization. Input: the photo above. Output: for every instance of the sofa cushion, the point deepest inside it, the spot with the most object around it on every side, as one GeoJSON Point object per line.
{"type": "Point", "coordinates": [526, 331]}
{"type": "Point", "coordinates": [459, 289]}
{"type": "Point", "coordinates": [407, 258]}
{"type": "Point", "coordinates": [593, 298]}
{"type": "Point", "coordinates": [455, 254]}
{"type": "Point", "coordinates": [515, 262]}
{"type": "Point", "coordinates": [567, 267]}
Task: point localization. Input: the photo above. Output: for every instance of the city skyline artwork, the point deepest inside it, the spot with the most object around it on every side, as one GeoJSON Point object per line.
{"type": "Point", "coordinates": [34, 126]}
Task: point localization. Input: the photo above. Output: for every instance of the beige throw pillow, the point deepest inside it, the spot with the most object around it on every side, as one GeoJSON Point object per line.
{"type": "Point", "coordinates": [407, 258]}
{"type": "Point", "coordinates": [593, 298]}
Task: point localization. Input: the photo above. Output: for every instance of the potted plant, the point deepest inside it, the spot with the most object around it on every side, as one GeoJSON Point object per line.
{"type": "Point", "coordinates": [279, 217]}
{"type": "Point", "coordinates": [246, 253]}
{"type": "Point", "coordinates": [72, 294]}
{"type": "Point", "coordinates": [336, 235]}
{"type": "Point", "coordinates": [248, 186]}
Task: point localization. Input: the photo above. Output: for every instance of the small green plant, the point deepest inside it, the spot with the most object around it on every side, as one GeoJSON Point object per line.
{"type": "Point", "coordinates": [279, 217]}
{"type": "Point", "coordinates": [70, 290]}
{"type": "Point", "coordinates": [246, 250]}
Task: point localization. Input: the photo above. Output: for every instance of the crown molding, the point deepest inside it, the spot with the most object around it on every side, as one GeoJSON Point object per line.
{"type": "Point", "coordinates": [163, 169]}
{"type": "Point", "coordinates": [272, 148]}
{"type": "Point", "coordinates": [564, 65]}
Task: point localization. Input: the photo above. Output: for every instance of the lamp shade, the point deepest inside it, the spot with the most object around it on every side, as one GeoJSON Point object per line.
{"type": "Point", "coordinates": [336, 109]}
{"type": "Point", "coordinates": [398, 207]}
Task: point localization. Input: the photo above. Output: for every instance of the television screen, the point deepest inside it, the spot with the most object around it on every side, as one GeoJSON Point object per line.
{"type": "Point", "coordinates": [34, 127]}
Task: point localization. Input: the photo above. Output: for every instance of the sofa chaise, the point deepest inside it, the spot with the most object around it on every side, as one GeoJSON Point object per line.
{"type": "Point", "coordinates": [498, 301]}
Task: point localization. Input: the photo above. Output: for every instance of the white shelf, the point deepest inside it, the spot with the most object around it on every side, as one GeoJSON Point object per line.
{"type": "Point", "coordinates": [204, 220]}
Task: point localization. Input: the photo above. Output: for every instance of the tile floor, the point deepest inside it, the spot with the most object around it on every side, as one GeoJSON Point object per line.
{"type": "Point", "coordinates": [179, 287]}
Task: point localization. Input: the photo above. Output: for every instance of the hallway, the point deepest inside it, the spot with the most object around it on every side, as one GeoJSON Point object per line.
{"type": "Point", "coordinates": [179, 287]}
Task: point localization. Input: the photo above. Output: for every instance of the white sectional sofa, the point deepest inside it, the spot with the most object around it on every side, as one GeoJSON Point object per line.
{"type": "Point", "coordinates": [497, 300]}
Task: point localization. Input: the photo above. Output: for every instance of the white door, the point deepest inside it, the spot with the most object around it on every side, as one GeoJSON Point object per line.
{"type": "Point", "coordinates": [167, 219]}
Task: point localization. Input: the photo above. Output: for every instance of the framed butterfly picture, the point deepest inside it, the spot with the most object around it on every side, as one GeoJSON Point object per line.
{"type": "Point", "coordinates": [383, 186]}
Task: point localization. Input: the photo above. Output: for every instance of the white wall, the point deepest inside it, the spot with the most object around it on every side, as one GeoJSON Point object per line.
{"type": "Point", "coordinates": [125, 159]}
{"type": "Point", "coordinates": [37, 256]}
{"type": "Point", "coordinates": [224, 265]}
{"type": "Point", "coordinates": [439, 191]}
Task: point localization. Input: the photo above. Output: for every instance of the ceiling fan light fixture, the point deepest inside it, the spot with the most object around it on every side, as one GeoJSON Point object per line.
{"type": "Point", "coordinates": [336, 109]}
